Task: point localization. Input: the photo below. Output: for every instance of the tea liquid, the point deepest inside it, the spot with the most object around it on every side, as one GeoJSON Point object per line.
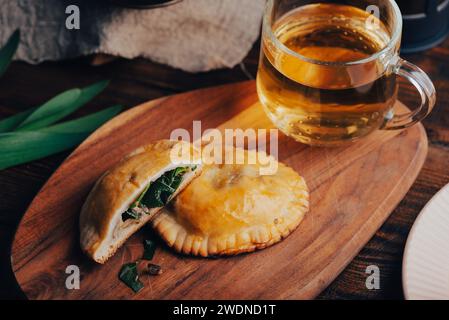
{"type": "Point", "coordinates": [318, 99]}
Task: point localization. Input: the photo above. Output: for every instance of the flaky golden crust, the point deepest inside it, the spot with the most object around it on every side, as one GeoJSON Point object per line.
{"type": "Point", "coordinates": [116, 190]}
{"type": "Point", "coordinates": [231, 209]}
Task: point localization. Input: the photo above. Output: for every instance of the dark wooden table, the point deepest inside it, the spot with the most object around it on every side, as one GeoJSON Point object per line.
{"type": "Point", "coordinates": [140, 80]}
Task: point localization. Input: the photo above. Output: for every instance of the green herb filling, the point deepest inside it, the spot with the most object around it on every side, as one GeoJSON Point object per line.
{"type": "Point", "coordinates": [157, 193]}
{"type": "Point", "coordinates": [149, 248]}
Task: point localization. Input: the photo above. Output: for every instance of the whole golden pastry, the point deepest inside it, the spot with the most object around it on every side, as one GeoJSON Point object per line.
{"type": "Point", "coordinates": [232, 208]}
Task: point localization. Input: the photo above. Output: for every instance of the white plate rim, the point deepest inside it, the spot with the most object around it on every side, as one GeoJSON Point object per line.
{"type": "Point", "coordinates": [411, 235]}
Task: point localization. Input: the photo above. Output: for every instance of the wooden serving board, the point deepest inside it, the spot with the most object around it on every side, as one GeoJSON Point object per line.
{"type": "Point", "coordinates": [353, 190]}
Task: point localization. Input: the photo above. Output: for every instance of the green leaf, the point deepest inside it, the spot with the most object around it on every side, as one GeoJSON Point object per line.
{"type": "Point", "coordinates": [149, 248]}
{"type": "Point", "coordinates": [50, 111]}
{"type": "Point", "coordinates": [85, 124]}
{"type": "Point", "coordinates": [9, 124]}
{"type": "Point", "coordinates": [8, 51]}
{"type": "Point", "coordinates": [61, 106]}
{"type": "Point", "coordinates": [21, 147]}
{"type": "Point", "coordinates": [128, 275]}
{"type": "Point", "coordinates": [90, 92]}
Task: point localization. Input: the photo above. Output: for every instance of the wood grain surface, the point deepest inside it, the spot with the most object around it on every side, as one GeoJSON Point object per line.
{"type": "Point", "coordinates": [138, 80]}
{"type": "Point", "coordinates": [353, 190]}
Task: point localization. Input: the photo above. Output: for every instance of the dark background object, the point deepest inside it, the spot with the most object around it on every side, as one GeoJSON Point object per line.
{"type": "Point", "coordinates": [426, 23]}
{"type": "Point", "coordinates": [144, 4]}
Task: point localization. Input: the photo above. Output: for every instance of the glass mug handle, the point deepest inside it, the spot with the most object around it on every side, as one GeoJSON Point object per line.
{"type": "Point", "coordinates": [425, 88]}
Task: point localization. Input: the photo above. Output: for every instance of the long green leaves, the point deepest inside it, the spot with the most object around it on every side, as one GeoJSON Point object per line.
{"type": "Point", "coordinates": [89, 93]}
{"type": "Point", "coordinates": [85, 124]}
{"type": "Point", "coordinates": [61, 106]}
{"type": "Point", "coordinates": [53, 110]}
{"type": "Point", "coordinates": [13, 122]}
{"type": "Point", "coordinates": [33, 134]}
{"type": "Point", "coordinates": [21, 147]}
{"type": "Point", "coordinates": [50, 111]}
{"type": "Point", "coordinates": [8, 51]}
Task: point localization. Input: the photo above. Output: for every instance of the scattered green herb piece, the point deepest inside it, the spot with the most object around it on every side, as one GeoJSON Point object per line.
{"type": "Point", "coordinates": [160, 190]}
{"type": "Point", "coordinates": [149, 247]}
{"type": "Point", "coordinates": [8, 51]}
{"type": "Point", "coordinates": [128, 275]}
{"type": "Point", "coordinates": [154, 269]}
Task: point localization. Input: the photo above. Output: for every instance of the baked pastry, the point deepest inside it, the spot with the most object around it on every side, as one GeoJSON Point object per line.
{"type": "Point", "coordinates": [232, 208]}
{"type": "Point", "coordinates": [128, 195]}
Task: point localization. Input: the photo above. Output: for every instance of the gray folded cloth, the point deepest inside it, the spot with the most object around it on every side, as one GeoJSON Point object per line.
{"type": "Point", "coordinates": [193, 35]}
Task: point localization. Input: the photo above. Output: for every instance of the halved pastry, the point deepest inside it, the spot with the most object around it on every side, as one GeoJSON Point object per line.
{"type": "Point", "coordinates": [128, 195]}
{"type": "Point", "coordinates": [232, 208]}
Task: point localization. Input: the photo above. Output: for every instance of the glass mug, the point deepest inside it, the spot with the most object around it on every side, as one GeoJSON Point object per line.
{"type": "Point", "coordinates": [328, 70]}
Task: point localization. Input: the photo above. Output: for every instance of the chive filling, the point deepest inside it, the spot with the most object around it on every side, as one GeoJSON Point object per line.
{"type": "Point", "coordinates": [157, 193]}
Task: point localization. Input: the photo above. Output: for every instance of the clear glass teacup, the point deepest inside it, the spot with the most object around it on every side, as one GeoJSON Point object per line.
{"type": "Point", "coordinates": [328, 70]}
